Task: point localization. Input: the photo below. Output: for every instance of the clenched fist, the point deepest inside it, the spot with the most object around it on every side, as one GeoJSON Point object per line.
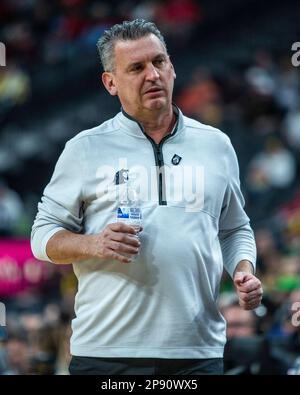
{"type": "Point", "coordinates": [249, 290]}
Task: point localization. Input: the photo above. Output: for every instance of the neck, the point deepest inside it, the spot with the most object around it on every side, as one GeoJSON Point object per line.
{"type": "Point", "coordinates": [157, 126]}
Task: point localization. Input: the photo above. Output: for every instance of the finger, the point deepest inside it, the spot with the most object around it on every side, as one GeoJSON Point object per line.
{"type": "Point", "coordinates": [250, 305]}
{"type": "Point", "coordinates": [239, 278]}
{"type": "Point", "coordinates": [248, 296]}
{"type": "Point", "coordinates": [242, 277]}
{"type": "Point", "coordinates": [119, 257]}
{"type": "Point", "coordinates": [121, 227]}
{"type": "Point", "coordinates": [253, 301]}
{"type": "Point", "coordinates": [122, 248]}
{"type": "Point", "coordinates": [125, 238]}
{"type": "Point", "coordinates": [249, 285]}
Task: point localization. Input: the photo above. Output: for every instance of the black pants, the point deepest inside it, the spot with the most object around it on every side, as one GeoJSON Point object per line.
{"type": "Point", "coordinates": [144, 366]}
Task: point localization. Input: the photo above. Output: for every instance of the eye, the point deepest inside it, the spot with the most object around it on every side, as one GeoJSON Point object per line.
{"type": "Point", "coordinates": [136, 67]}
{"type": "Point", "coordinates": [159, 62]}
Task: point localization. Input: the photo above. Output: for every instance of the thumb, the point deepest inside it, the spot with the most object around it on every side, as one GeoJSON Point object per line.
{"type": "Point", "coordinates": [240, 278]}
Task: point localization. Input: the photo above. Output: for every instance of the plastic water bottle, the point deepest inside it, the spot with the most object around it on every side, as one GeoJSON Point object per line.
{"type": "Point", "coordinates": [130, 215]}
{"type": "Point", "coordinates": [129, 210]}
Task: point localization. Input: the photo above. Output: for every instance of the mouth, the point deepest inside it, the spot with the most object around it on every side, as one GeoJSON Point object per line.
{"type": "Point", "coordinates": [153, 91]}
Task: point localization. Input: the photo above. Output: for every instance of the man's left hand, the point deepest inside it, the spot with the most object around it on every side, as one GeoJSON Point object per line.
{"type": "Point", "coordinates": [249, 290]}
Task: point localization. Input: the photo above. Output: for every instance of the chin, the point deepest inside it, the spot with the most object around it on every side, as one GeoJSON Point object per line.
{"type": "Point", "coordinates": [156, 104]}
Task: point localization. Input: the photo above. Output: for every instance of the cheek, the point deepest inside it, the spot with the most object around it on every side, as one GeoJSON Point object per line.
{"type": "Point", "coordinates": [170, 81]}
{"type": "Point", "coordinates": [133, 87]}
{"type": "Point", "coordinates": [131, 94]}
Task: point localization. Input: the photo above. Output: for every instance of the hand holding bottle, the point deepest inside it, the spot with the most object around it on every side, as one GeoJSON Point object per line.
{"type": "Point", "coordinates": [117, 241]}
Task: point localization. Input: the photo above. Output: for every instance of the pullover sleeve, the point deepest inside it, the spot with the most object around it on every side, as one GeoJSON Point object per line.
{"type": "Point", "coordinates": [235, 234]}
{"type": "Point", "coordinates": [61, 204]}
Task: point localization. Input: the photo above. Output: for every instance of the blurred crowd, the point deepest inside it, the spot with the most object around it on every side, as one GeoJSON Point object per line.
{"type": "Point", "coordinates": [255, 99]}
{"type": "Point", "coordinates": [41, 34]}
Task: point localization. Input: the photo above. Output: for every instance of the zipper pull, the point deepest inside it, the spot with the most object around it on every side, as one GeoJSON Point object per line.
{"type": "Point", "coordinates": [159, 156]}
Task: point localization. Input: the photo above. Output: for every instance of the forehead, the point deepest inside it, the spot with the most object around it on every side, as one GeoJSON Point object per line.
{"type": "Point", "coordinates": [132, 51]}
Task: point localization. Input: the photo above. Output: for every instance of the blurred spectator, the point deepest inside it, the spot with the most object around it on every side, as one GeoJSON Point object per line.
{"type": "Point", "coordinates": [289, 217]}
{"type": "Point", "coordinates": [178, 19]}
{"type": "Point", "coordinates": [240, 323]}
{"type": "Point", "coordinates": [291, 128]}
{"type": "Point", "coordinates": [268, 254]}
{"type": "Point", "coordinates": [287, 85]}
{"type": "Point", "coordinates": [275, 167]}
{"type": "Point", "coordinates": [285, 345]}
{"type": "Point", "coordinates": [201, 98]}
{"type": "Point", "coordinates": [3, 362]}
{"type": "Point", "coordinates": [14, 88]}
{"type": "Point", "coordinates": [11, 210]}
{"type": "Point", "coordinates": [18, 356]}
{"type": "Point", "coordinates": [261, 75]}
{"type": "Point", "coordinates": [245, 351]}
{"type": "Point", "coordinates": [20, 40]}
{"type": "Point", "coordinates": [145, 10]}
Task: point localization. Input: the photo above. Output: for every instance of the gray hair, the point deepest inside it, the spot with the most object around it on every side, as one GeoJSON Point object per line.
{"type": "Point", "coordinates": [128, 30]}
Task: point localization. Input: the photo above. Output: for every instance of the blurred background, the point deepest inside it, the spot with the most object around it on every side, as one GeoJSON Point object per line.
{"type": "Point", "coordinates": [234, 71]}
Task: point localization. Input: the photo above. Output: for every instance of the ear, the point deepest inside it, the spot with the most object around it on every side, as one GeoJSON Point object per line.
{"type": "Point", "coordinates": [172, 67]}
{"type": "Point", "coordinates": [108, 82]}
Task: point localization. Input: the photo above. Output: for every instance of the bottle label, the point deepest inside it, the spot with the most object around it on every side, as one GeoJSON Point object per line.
{"type": "Point", "coordinates": [123, 212]}
{"type": "Point", "coordinates": [135, 213]}
{"type": "Point", "coordinates": [130, 213]}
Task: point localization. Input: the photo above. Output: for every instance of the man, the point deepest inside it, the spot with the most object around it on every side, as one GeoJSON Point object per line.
{"type": "Point", "coordinates": [240, 322]}
{"type": "Point", "coordinates": [158, 313]}
{"type": "Point", "coordinates": [246, 351]}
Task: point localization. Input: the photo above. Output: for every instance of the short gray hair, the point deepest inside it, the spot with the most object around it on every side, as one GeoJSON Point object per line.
{"type": "Point", "coordinates": [128, 30]}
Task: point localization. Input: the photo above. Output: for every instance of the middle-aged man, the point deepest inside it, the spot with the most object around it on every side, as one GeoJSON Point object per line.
{"type": "Point", "coordinates": [157, 313]}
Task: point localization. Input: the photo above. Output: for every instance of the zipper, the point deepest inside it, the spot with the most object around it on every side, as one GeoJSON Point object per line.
{"type": "Point", "coordinates": [159, 159]}
{"type": "Point", "coordinates": [159, 162]}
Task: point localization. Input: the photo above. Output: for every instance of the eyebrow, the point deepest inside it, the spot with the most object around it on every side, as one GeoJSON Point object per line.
{"type": "Point", "coordinates": [160, 55]}
{"type": "Point", "coordinates": [133, 65]}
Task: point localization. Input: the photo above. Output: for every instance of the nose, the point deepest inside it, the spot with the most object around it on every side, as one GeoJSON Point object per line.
{"type": "Point", "coordinates": [151, 73]}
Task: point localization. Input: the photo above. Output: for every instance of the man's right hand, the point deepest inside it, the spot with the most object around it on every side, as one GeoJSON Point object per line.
{"type": "Point", "coordinates": [117, 241]}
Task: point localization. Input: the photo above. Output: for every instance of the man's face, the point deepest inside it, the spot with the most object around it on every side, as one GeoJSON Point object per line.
{"type": "Point", "coordinates": [240, 323]}
{"type": "Point", "coordinates": [143, 77]}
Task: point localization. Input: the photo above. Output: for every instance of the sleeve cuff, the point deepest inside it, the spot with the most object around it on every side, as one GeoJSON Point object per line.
{"type": "Point", "coordinates": [231, 268]}
{"type": "Point", "coordinates": [44, 242]}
